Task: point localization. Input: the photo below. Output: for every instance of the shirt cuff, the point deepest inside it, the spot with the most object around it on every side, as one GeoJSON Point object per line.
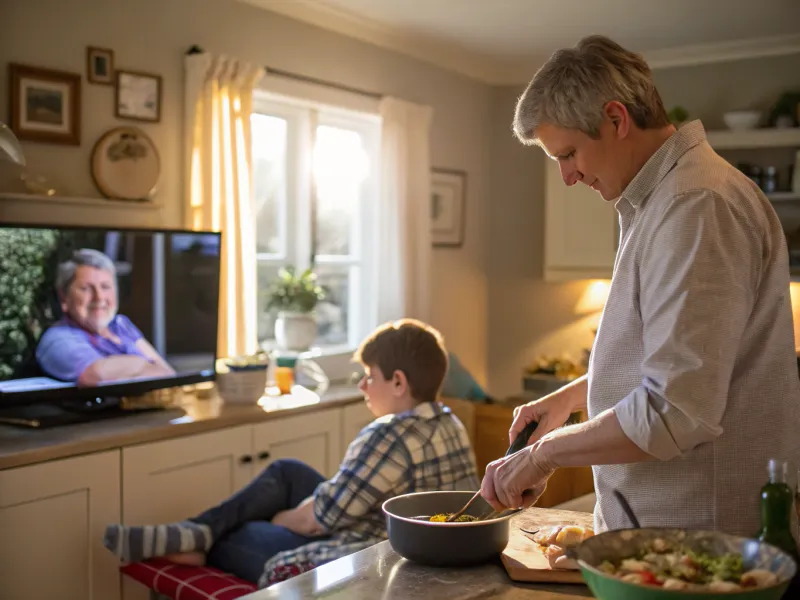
{"type": "Point", "coordinates": [644, 425]}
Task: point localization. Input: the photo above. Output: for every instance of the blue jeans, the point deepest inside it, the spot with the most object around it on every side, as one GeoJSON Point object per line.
{"type": "Point", "coordinates": [244, 538]}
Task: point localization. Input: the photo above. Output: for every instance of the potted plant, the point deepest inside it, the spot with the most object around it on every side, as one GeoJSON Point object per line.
{"type": "Point", "coordinates": [294, 297]}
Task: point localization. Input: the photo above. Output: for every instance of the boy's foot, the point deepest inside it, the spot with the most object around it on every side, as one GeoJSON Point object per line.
{"type": "Point", "coordinates": [188, 559]}
{"type": "Point", "coordinates": [133, 544]}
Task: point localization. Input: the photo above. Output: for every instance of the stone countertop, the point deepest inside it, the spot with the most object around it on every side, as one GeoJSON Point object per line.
{"type": "Point", "coordinates": [191, 415]}
{"type": "Point", "coordinates": [379, 572]}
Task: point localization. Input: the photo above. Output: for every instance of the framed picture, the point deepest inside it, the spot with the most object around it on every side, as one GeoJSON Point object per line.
{"type": "Point", "coordinates": [45, 104]}
{"type": "Point", "coordinates": [448, 207]}
{"type": "Point", "coordinates": [138, 96]}
{"type": "Point", "coordinates": [100, 65]}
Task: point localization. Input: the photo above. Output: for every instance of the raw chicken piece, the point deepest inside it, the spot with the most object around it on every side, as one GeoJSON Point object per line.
{"type": "Point", "coordinates": [562, 535]}
{"type": "Point", "coordinates": [547, 535]}
{"type": "Point", "coordinates": [556, 556]}
{"type": "Point", "coordinates": [572, 535]}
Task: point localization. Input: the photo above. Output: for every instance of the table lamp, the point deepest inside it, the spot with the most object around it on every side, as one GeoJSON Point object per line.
{"type": "Point", "coordinates": [10, 148]}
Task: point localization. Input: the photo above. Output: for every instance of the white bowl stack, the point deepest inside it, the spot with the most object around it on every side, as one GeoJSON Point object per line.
{"type": "Point", "coordinates": [742, 120]}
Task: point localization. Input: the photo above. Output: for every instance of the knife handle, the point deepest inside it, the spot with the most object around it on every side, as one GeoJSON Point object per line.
{"type": "Point", "coordinates": [522, 438]}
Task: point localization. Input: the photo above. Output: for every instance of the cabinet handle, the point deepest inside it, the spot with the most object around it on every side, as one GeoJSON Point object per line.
{"type": "Point", "coordinates": [263, 455]}
{"type": "Point", "coordinates": [246, 459]}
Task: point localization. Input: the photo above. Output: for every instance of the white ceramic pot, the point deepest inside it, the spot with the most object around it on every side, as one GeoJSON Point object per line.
{"type": "Point", "coordinates": [295, 331]}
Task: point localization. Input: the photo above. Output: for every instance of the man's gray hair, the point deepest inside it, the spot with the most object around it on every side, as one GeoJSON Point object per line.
{"type": "Point", "coordinates": [573, 87]}
{"type": "Point", "coordinates": [86, 257]}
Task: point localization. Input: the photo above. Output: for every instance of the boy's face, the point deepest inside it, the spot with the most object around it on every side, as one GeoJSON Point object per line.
{"type": "Point", "coordinates": [384, 396]}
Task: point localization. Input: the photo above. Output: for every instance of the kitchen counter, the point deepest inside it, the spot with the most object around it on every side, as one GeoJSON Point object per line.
{"type": "Point", "coordinates": [191, 415]}
{"type": "Point", "coordinates": [379, 572]}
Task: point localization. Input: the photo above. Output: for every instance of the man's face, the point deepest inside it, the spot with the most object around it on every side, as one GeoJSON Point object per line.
{"type": "Point", "coordinates": [379, 392]}
{"type": "Point", "coordinates": [598, 163]}
{"type": "Point", "coordinates": [91, 299]}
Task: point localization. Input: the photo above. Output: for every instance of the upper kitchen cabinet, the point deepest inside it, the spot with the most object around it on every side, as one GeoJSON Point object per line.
{"type": "Point", "coordinates": [581, 231]}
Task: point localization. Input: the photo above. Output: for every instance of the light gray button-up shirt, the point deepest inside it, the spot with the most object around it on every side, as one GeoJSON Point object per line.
{"type": "Point", "coordinates": [695, 348]}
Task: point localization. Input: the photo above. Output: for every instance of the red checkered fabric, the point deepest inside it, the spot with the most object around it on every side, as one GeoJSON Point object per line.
{"type": "Point", "coordinates": [187, 583]}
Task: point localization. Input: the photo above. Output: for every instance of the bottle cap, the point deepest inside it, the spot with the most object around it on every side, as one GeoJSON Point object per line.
{"type": "Point", "coordinates": [778, 470]}
{"type": "Point", "coordinates": [286, 361]}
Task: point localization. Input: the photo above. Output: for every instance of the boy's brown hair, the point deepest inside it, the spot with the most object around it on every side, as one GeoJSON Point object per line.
{"type": "Point", "coordinates": [410, 346]}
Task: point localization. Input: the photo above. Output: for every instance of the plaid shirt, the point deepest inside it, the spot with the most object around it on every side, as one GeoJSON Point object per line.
{"type": "Point", "coordinates": [423, 449]}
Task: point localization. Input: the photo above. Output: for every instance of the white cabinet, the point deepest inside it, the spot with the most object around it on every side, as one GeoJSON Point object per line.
{"type": "Point", "coordinates": [176, 479]}
{"type": "Point", "coordinates": [314, 438]}
{"type": "Point", "coordinates": [179, 478]}
{"type": "Point", "coordinates": [354, 418]}
{"type": "Point", "coordinates": [52, 519]}
{"type": "Point", "coordinates": [581, 231]}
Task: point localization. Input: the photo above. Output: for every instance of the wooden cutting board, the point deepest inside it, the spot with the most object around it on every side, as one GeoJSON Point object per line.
{"type": "Point", "coordinates": [523, 558]}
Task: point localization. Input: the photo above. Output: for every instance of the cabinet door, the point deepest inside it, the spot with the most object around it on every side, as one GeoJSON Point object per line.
{"type": "Point", "coordinates": [354, 418]}
{"type": "Point", "coordinates": [581, 231]}
{"type": "Point", "coordinates": [52, 519]}
{"type": "Point", "coordinates": [314, 438]}
{"type": "Point", "coordinates": [176, 479]}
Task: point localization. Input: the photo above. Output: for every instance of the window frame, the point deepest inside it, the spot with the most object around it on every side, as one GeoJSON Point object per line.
{"type": "Point", "coordinates": [302, 117]}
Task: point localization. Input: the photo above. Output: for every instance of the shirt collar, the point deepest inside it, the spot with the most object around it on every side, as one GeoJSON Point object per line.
{"type": "Point", "coordinates": [426, 410]}
{"type": "Point", "coordinates": [662, 161]}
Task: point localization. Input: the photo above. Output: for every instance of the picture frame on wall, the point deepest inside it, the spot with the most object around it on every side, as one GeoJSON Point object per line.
{"type": "Point", "coordinates": [448, 207]}
{"type": "Point", "coordinates": [138, 96]}
{"type": "Point", "coordinates": [45, 104]}
{"type": "Point", "coordinates": [100, 65]}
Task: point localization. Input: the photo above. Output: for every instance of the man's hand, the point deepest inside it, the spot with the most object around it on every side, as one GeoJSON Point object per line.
{"type": "Point", "coordinates": [551, 412]}
{"type": "Point", "coordinates": [517, 480]}
{"type": "Point", "coordinates": [300, 520]}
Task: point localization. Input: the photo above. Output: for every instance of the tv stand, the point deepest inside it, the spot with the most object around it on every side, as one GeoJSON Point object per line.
{"type": "Point", "coordinates": [66, 412]}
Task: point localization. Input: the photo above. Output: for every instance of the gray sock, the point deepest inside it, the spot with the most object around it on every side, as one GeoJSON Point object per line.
{"type": "Point", "coordinates": [133, 544]}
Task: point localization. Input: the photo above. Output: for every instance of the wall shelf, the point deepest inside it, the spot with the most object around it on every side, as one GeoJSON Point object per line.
{"type": "Point", "coordinates": [784, 196]}
{"type": "Point", "coordinates": [754, 138]}
{"type": "Point", "coordinates": [79, 201]}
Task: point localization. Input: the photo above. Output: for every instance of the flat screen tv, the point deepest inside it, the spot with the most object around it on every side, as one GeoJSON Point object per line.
{"type": "Point", "coordinates": [98, 313]}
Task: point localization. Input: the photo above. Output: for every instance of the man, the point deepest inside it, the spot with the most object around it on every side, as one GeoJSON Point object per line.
{"type": "Point", "coordinates": [692, 384]}
{"type": "Point", "coordinates": [92, 343]}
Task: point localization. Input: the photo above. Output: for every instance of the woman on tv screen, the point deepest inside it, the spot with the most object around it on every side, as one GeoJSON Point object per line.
{"type": "Point", "coordinates": [92, 344]}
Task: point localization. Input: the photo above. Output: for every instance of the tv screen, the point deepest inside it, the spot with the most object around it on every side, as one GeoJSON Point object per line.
{"type": "Point", "coordinates": [105, 312]}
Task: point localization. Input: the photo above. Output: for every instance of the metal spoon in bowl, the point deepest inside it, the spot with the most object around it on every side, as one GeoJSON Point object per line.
{"type": "Point", "coordinates": [519, 443]}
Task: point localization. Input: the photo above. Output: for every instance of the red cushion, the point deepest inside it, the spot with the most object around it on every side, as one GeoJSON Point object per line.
{"type": "Point", "coordinates": [187, 583]}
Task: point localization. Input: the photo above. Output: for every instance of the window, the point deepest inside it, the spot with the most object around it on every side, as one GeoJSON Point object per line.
{"type": "Point", "coordinates": [315, 188]}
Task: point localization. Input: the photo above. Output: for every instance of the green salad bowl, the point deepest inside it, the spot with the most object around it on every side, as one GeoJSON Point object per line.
{"type": "Point", "coordinates": [626, 543]}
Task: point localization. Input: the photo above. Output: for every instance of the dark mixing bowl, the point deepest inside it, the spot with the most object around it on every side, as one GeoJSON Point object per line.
{"type": "Point", "coordinates": [443, 544]}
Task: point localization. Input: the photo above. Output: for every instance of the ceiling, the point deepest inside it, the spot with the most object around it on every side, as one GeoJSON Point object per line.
{"type": "Point", "coordinates": [503, 41]}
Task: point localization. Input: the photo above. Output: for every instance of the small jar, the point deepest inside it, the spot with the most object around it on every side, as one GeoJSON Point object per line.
{"type": "Point", "coordinates": [769, 182]}
{"type": "Point", "coordinates": [284, 374]}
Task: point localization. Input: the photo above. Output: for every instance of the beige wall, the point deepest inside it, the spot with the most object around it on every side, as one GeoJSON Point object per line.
{"type": "Point", "coordinates": [152, 35]}
{"type": "Point", "coordinates": [529, 317]}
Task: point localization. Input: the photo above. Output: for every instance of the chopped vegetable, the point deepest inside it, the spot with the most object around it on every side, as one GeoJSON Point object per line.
{"type": "Point", "coordinates": [442, 517]}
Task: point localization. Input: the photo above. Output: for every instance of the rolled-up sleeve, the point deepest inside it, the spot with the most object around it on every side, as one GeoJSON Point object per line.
{"type": "Point", "coordinates": [698, 281]}
{"type": "Point", "coordinates": [374, 468]}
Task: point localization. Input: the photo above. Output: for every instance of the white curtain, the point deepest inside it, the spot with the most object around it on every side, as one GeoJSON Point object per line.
{"type": "Point", "coordinates": [218, 97]}
{"type": "Point", "coordinates": [404, 222]}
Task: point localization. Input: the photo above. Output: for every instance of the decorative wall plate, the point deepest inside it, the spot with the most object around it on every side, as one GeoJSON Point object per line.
{"type": "Point", "coordinates": [126, 165]}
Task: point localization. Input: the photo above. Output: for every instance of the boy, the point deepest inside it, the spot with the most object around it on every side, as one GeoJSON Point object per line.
{"type": "Point", "coordinates": [290, 519]}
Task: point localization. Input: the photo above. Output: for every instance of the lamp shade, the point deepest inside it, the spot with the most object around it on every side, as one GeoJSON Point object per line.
{"type": "Point", "coordinates": [10, 148]}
